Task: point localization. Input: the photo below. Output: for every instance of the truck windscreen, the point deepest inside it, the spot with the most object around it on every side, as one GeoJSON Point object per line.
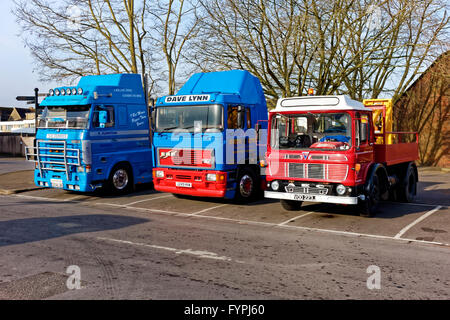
{"type": "Point", "coordinates": [75, 117]}
{"type": "Point", "coordinates": [189, 117]}
{"type": "Point", "coordinates": [311, 131]}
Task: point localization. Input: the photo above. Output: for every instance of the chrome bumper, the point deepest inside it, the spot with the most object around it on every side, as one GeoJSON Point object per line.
{"type": "Point", "coordinates": [311, 198]}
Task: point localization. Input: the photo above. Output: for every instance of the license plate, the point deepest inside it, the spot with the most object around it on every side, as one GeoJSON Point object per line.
{"type": "Point", "coordinates": [56, 183]}
{"type": "Point", "coordinates": [304, 197]}
{"type": "Point", "coordinates": [183, 184]}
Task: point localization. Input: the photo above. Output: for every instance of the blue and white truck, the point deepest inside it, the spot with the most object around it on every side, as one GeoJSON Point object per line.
{"type": "Point", "coordinates": [95, 134]}
{"type": "Point", "coordinates": [209, 137]}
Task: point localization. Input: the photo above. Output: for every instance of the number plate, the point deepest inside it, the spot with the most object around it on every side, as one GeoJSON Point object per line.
{"type": "Point", "coordinates": [183, 184]}
{"type": "Point", "coordinates": [56, 183]}
{"type": "Point", "coordinates": [304, 197]}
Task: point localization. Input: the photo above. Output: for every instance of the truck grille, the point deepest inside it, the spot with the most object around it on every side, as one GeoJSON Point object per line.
{"type": "Point", "coordinates": [318, 191]}
{"type": "Point", "coordinates": [328, 172]}
{"type": "Point", "coordinates": [188, 157]}
{"type": "Point", "coordinates": [54, 155]}
{"type": "Point", "coordinates": [182, 177]}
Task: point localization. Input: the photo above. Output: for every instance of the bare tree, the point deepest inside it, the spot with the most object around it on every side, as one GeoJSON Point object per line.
{"type": "Point", "coordinates": [175, 24]}
{"type": "Point", "coordinates": [72, 38]}
{"type": "Point", "coordinates": [354, 47]}
{"type": "Point", "coordinates": [81, 37]}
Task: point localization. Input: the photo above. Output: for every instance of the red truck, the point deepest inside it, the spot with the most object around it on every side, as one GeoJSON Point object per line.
{"type": "Point", "coordinates": [337, 150]}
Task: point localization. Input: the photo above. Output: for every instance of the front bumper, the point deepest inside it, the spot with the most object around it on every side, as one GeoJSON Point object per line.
{"type": "Point", "coordinates": [311, 198]}
{"type": "Point", "coordinates": [199, 186]}
{"type": "Point", "coordinates": [79, 182]}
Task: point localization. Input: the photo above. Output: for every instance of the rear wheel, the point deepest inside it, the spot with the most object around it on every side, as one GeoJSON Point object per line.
{"type": "Point", "coordinates": [291, 205]}
{"type": "Point", "coordinates": [369, 206]}
{"type": "Point", "coordinates": [408, 188]}
{"type": "Point", "coordinates": [120, 180]}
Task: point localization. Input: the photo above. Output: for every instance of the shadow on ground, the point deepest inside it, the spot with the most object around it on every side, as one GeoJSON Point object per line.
{"type": "Point", "coordinates": [35, 229]}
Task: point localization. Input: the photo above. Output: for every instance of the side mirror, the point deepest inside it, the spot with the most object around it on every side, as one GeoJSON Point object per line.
{"type": "Point", "coordinates": [102, 118]}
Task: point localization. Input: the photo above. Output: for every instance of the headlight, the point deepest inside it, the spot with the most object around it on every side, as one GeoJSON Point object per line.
{"type": "Point", "coordinates": [211, 177]}
{"type": "Point", "coordinates": [68, 91]}
{"type": "Point", "coordinates": [74, 91]}
{"type": "Point", "coordinates": [159, 174]}
{"type": "Point", "coordinates": [57, 92]}
{"type": "Point", "coordinates": [80, 90]}
{"type": "Point", "coordinates": [275, 185]}
{"type": "Point", "coordinates": [63, 92]}
{"type": "Point", "coordinates": [51, 92]}
{"type": "Point", "coordinates": [340, 189]}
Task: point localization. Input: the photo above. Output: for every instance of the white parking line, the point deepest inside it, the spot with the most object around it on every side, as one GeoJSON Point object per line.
{"type": "Point", "coordinates": [293, 219]}
{"type": "Point", "coordinates": [421, 218]}
{"type": "Point", "coordinates": [414, 204]}
{"type": "Point", "coordinates": [150, 199]}
{"type": "Point", "coordinates": [134, 208]}
{"type": "Point", "coordinates": [196, 253]}
{"type": "Point", "coordinates": [267, 224]}
{"type": "Point", "coordinates": [39, 198]}
{"type": "Point", "coordinates": [207, 209]}
{"type": "Point", "coordinates": [75, 198]}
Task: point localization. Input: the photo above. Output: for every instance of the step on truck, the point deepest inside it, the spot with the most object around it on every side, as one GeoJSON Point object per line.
{"type": "Point", "coordinates": [209, 137]}
{"type": "Point", "coordinates": [96, 134]}
{"type": "Point", "coordinates": [337, 150]}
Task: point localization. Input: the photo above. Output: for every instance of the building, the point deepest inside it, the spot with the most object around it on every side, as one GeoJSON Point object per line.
{"type": "Point", "coordinates": [16, 119]}
{"type": "Point", "coordinates": [425, 108]}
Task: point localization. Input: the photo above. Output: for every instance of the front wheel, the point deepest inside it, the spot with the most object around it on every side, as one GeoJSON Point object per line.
{"type": "Point", "coordinates": [120, 181]}
{"type": "Point", "coordinates": [246, 188]}
{"type": "Point", "coordinates": [291, 205]}
{"type": "Point", "coordinates": [369, 206]}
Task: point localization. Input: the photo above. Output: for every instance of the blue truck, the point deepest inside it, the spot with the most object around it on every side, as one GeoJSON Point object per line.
{"type": "Point", "coordinates": [95, 134]}
{"type": "Point", "coordinates": [209, 137]}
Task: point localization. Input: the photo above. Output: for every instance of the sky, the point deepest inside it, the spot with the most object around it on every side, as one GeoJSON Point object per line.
{"type": "Point", "coordinates": [16, 64]}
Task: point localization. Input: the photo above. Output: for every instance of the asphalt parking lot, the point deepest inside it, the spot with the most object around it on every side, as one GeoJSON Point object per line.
{"type": "Point", "coordinates": [151, 245]}
{"type": "Point", "coordinates": [427, 219]}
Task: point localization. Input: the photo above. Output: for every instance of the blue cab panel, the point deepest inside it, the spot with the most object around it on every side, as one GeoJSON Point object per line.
{"type": "Point", "coordinates": [94, 134]}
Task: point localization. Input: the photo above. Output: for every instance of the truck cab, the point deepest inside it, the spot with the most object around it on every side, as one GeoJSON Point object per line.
{"type": "Point", "coordinates": [208, 137]}
{"type": "Point", "coordinates": [325, 149]}
{"type": "Point", "coordinates": [92, 135]}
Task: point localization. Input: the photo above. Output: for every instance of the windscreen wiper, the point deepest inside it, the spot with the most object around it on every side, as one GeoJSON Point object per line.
{"type": "Point", "coordinates": [170, 128]}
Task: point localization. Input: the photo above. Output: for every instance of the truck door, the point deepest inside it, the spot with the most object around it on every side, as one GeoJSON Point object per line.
{"type": "Point", "coordinates": [363, 143]}
{"type": "Point", "coordinates": [104, 136]}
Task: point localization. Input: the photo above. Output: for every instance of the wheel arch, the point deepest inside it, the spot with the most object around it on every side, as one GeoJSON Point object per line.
{"type": "Point", "coordinates": [122, 163]}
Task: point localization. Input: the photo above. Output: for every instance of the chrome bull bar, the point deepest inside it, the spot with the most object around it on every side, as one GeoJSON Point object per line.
{"type": "Point", "coordinates": [59, 154]}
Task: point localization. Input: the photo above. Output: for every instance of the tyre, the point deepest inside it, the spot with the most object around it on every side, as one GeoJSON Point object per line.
{"type": "Point", "coordinates": [120, 180]}
{"type": "Point", "coordinates": [291, 205]}
{"type": "Point", "coordinates": [369, 206]}
{"type": "Point", "coordinates": [407, 190]}
{"type": "Point", "coordinates": [246, 186]}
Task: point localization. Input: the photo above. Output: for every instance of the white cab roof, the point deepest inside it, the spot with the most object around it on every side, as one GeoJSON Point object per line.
{"type": "Point", "coordinates": [318, 103]}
